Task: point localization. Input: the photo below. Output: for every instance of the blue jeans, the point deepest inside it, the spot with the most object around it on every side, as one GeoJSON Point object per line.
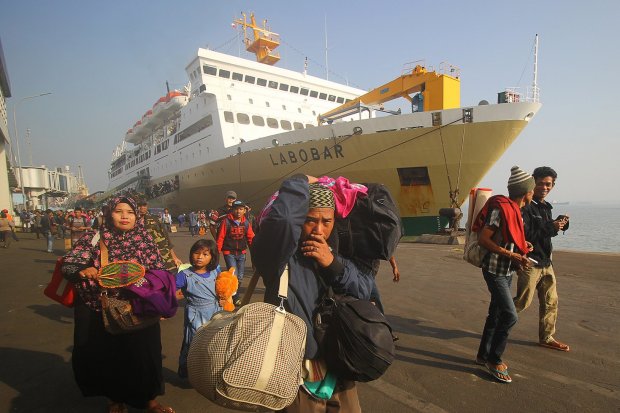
{"type": "Point", "coordinates": [237, 261]}
{"type": "Point", "coordinates": [50, 241]}
{"type": "Point", "coordinates": [500, 320]}
{"type": "Point", "coordinates": [375, 297]}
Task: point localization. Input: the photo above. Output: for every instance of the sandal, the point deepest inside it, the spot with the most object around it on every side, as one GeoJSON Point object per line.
{"type": "Point", "coordinates": [158, 408]}
{"type": "Point", "coordinates": [499, 375]}
{"type": "Point", "coordinates": [114, 407]}
{"type": "Point", "coordinates": [554, 344]}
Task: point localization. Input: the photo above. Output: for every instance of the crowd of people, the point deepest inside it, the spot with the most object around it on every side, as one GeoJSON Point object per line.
{"type": "Point", "coordinates": [515, 230]}
{"type": "Point", "coordinates": [162, 188]}
{"type": "Point", "coordinates": [47, 224]}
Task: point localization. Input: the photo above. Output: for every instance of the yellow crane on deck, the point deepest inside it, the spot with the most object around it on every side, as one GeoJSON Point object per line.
{"type": "Point", "coordinates": [425, 90]}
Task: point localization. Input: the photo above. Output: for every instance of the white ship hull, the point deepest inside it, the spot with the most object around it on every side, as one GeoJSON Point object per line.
{"type": "Point", "coordinates": [408, 159]}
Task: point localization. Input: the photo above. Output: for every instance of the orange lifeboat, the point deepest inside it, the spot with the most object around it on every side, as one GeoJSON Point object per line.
{"type": "Point", "coordinates": [138, 132]}
{"type": "Point", "coordinates": [159, 106]}
{"type": "Point", "coordinates": [129, 136]}
{"type": "Point", "coordinates": [167, 105]}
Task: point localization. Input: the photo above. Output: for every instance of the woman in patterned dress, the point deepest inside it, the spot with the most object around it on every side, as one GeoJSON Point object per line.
{"type": "Point", "coordinates": [125, 368]}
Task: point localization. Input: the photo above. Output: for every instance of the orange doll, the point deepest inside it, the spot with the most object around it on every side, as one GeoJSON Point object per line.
{"type": "Point", "coordinates": [226, 285]}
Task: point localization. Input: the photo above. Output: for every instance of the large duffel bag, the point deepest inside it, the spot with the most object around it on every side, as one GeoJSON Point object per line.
{"type": "Point", "coordinates": [250, 359]}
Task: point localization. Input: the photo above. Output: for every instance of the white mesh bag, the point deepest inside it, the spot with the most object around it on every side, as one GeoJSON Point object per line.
{"type": "Point", "coordinates": [250, 359]}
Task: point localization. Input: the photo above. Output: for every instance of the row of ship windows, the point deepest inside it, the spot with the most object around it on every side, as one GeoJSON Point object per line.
{"type": "Point", "coordinates": [161, 147]}
{"type": "Point", "coordinates": [227, 74]}
{"type": "Point", "coordinates": [138, 160]}
{"type": "Point", "coordinates": [229, 117]}
{"type": "Point", "coordinates": [244, 119]}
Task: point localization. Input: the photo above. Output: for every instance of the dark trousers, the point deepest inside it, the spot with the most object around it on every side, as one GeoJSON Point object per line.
{"type": "Point", "coordinates": [500, 320]}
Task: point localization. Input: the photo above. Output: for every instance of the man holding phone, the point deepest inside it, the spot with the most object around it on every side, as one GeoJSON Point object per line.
{"type": "Point", "coordinates": [540, 227]}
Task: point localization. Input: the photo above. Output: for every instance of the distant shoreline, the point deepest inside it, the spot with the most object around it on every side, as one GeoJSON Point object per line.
{"type": "Point", "coordinates": [609, 254]}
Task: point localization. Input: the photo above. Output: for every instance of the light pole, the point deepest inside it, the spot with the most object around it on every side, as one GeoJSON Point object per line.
{"type": "Point", "coordinates": [19, 159]}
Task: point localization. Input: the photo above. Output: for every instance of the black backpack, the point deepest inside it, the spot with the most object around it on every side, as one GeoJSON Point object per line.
{"type": "Point", "coordinates": [354, 338]}
{"type": "Point", "coordinates": [373, 227]}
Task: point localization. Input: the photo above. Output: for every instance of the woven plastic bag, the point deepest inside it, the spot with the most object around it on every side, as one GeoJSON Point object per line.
{"type": "Point", "coordinates": [250, 359]}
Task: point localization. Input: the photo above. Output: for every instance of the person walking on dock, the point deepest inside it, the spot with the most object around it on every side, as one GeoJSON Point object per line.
{"type": "Point", "coordinates": [6, 228]}
{"type": "Point", "coordinates": [48, 225]}
{"type": "Point", "coordinates": [159, 232]}
{"type": "Point", "coordinates": [500, 228]}
{"type": "Point", "coordinates": [234, 237]}
{"type": "Point", "coordinates": [540, 227]}
{"type": "Point", "coordinates": [216, 217]}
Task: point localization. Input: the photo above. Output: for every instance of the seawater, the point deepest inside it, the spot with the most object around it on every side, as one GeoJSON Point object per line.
{"type": "Point", "coordinates": [593, 227]}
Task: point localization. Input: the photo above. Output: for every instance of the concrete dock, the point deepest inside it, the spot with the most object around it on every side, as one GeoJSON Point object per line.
{"type": "Point", "coordinates": [437, 310]}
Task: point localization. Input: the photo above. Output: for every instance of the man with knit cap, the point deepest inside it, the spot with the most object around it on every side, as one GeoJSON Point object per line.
{"type": "Point", "coordinates": [500, 232]}
{"type": "Point", "coordinates": [302, 219]}
{"type": "Point", "coordinates": [540, 227]}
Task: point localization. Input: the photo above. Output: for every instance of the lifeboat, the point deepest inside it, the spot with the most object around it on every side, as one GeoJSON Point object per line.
{"type": "Point", "coordinates": [169, 104]}
{"type": "Point", "coordinates": [158, 107]}
{"type": "Point", "coordinates": [138, 132]}
{"type": "Point", "coordinates": [129, 135]}
{"type": "Point", "coordinates": [147, 117]}
{"type": "Point", "coordinates": [147, 122]}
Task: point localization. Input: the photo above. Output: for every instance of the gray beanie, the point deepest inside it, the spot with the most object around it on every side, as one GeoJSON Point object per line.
{"type": "Point", "coordinates": [520, 182]}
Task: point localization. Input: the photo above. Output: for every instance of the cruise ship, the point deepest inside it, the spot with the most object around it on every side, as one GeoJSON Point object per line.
{"type": "Point", "coordinates": [248, 125]}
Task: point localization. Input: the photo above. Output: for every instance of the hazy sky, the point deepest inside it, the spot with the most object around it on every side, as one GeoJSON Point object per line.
{"type": "Point", "coordinates": [107, 62]}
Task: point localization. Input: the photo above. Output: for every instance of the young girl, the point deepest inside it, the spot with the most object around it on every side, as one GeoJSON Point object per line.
{"type": "Point", "coordinates": [198, 286]}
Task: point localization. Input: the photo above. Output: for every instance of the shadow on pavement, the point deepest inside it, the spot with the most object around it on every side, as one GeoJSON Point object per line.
{"type": "Point", "coordinates": [54, 312]}
{"type": "Point", "coordinates": [43, 383]}
{"type": "Point", "coordinates": [443, 361]}
{"type": "Point", "coordinates": [172, 378]}
{"type": "Point", "coordinates": [416, 328]}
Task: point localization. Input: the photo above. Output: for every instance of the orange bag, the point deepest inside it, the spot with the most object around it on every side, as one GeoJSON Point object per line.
{"type": "Point", "coordinates": [60, 289]}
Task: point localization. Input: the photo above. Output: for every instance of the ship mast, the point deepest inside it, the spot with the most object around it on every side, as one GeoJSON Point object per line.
{"type": "Point", "coordinates": [265, 41]}
{"type": "Point", "coordinates": [535, 91]}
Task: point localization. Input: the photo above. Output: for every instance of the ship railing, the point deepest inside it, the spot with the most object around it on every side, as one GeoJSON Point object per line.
{"type": "Point", "coordinates": [357, 109]}
{"type": "Point", "coordinates": [530, 94]}
{"type": "Point", "coordinates": [410, 66]}
{"type": "Point", "coordinates": [445, 68]}
{"type": "Point", "coordinates": [448, 69]}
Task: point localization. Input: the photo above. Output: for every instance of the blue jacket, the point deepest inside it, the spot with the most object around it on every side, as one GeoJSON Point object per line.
{"type": "Point", "coordinates": [276, 244]}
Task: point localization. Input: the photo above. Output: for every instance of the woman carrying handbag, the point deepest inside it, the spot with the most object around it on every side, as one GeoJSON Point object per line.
{"type": "Point", "coordinates": [125, 368]}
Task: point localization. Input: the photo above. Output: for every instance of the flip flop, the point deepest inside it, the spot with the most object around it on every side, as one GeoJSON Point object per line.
{"type": "Point", "coordinates": [554, 344]}
{"type": "Point", "coordinates": [499, 375]}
